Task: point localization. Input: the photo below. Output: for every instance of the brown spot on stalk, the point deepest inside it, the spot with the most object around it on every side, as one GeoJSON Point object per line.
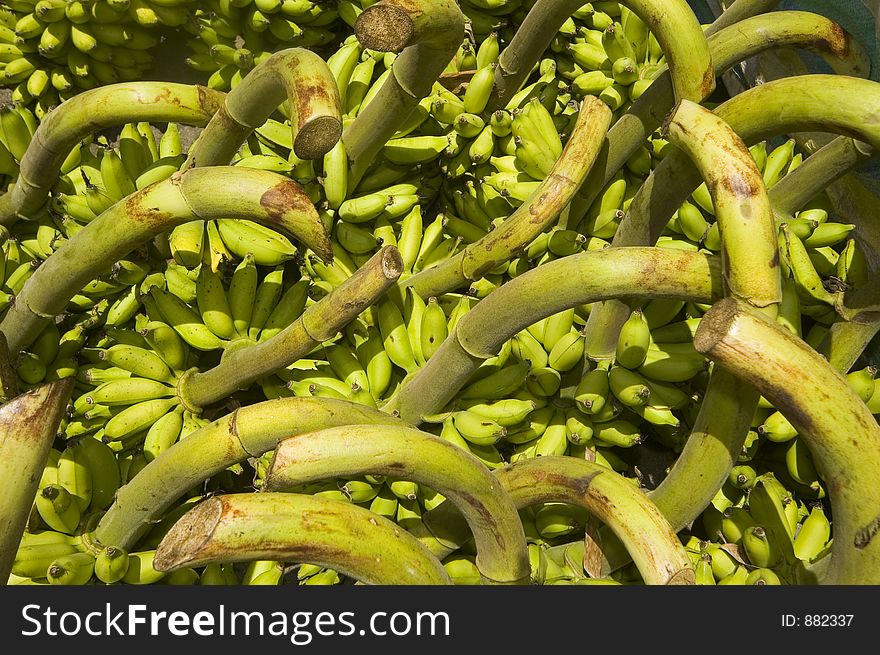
{"type": "Point", "coordinates": [866, 534]}
{"type": "Point", "coordinates": [708, 84]}
{"type": "Point", "coordinates": [837, 41]}
{"type": "Point", "coordinates": [210, 100]}
{"type": "Point", "coordinates": [286, 196]}
{"type": "Point", "coordinates": [742, 185]}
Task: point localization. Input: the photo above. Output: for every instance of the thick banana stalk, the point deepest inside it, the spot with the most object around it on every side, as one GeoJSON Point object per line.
{"type": "Point", "coordinates": [28, 425]}
{"type": "Point", "coordinates": [248, 432]}
{"type": "Point", "coordinates": [297, 75]}
{"type": "Point", "coordinates": [410, 454]}
{"type": "Point", "coordinates": [575, 280]}
{"type": "Point", "coordinates": [794, 104]}
{"type": "Point", "coordinates": [740, 10]}
{"type": "Point", "coordinates": [321, 321]}
{"type": "Point", "coordinates": [297, 528]}
{"type": "Point", "coordinates": [427, 34]}
{"type": "Point", "coordinates": [108, 106]}
{"type": "Point", "coordinates": [802, 103]}
{"type": "Point", "coordinates": [839, 429]}
{"type": "Point", "coordinates": [634, 519]}
{"type": "Point", "coordinates": [728, 47]}
{"type": "Point", "coordinates": [532, 217]}
{"type": "Point", "coordinates": [819, 171]}
{"type": "Point", "coordinates": [198, 194]}
{"type": "Point", "coordinates": [8, 376]}
{"type": "Point", "coordinates": [672, 22]}
{"type": "Point", "coordinates": [750, 251]}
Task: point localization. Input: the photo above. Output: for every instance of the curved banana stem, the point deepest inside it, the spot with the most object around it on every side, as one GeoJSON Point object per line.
{"type": "Point", "coordinates": [795, 104]}
{"type": "Point", "coordinates": [321, 321]}
{"type": "Point", "coordinates": [672, 22]}
{"type": "Point", "coordinates": [427, 34]}
{"type": "Point", "coordinates": [410, 454]}
{"type": "Point", "coordinates": [198, 194]}
{"type": "Point", "coordinates": [728, 47]}
{"type": "Point", "coordinates": [635, 520]}
{"type": "Point", "coordinates": [530, 219]}
{"type": "Point", "coordinates": [740, 10]}
{"type": "Point", "coordinates": [837, 426]}
{"type": "Point", "coordinates": [247, 432]}
{"type": "Point", "coordinates": [297, 75]}
{"type": "Point", "coordinates": [750, 251]}
{"type": "Point", "coordinates": [575, 280]}
{"type": "Point", "coordinates": [293, 527]}
{"type": "Point", "coordinates": [8, 377]}
{"type": "Point", "coordinates": [819, 170]}
{"type": "Point", "coordinates": [28, 426]}
{"type": "Point", "coordinates": [63, 128]}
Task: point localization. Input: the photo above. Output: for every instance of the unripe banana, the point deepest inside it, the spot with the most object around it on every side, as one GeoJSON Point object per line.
{"type": "Point", "coordinates": [139, 361]}
{"type": "Point", "coordinates": [75, 476]}
{"type": "Point", "coordinates": [777, 428]}
{"type": "Point", "coordinates": [104, 471]}
{"type": "Point", "coordinates": [395, 335]}
{"type": "Point", "coordinates": [507, 412]}
{"type": "Point", "coordinates": [140, 569]}
{"type": "Point", "coordinates": [554, 441]}
{"type": "Point", "coordinates": [58, 508]}
{"type": "Point", "coordinates": [593, 390]}
{"type": "Point", "coordinates": [478, 429]}
{"type": "Point", "coordinates": [813, 536]}
{"type": "Point", "coordinates": [73, 569]}
{"type": "Point", "coordinates": [617, 432]}
{"type": "Point", "coordinates": [498, 384]}
{"type": "Point", "coordinates": [111, 565]}
{"type": "Point", "coordinates": [479, 90]}
{"type": "Point", "coordinates": [760, 547]}
{"type": "Point", "coordinates": [185, 321]}
{"type": "Point", "coordinates": [667, 363]}
{"type": "Point", "coordinates": [290, 307]}
{"type": "Point", "coordinates": [187, 243]}
{"type": "Point", "coordinates": [633, 341]}
{"type": "Point", "coordinates": [163, 434]}
{"type": "Point", "coordinates": [269, 248]}
{"type": "Point", "coordinates": [129, 391]}
{"type": "Point", "coordinates": [137, 418]}
{"type": "Point", "coordinates": [166, 343]}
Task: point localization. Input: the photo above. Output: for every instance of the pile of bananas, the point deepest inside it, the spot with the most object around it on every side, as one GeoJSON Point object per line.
{"type": "Point", "coordinates": [504, 289]}
{"type": "Point", "coordinates": [53, 49]}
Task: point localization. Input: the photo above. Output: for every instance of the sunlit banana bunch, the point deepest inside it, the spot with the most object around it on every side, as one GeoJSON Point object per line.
{"type": "Point", "coordinates": [78, 483]}
{"type": "Point", "coordinates": [821, 261]}
{"type": "Point", "coordinates": [98, 173]}
{"type": "Point", "coordinates": [774, 438]}
{"type": "Point", "coordinates": [609, 53]}
{"type": "Point", "coordinates": [230, 36]}
{"type": "Point", "coordinates": [17, 127]}
{"type": "Point", "coordinates": [758, 531]}
{"type": "Point", "coordinates": [52, 49]}
{"type": "Point", "coordinates": [130, 383]}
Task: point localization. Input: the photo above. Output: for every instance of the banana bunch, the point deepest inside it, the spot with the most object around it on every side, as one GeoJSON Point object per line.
{"type": "Point", "coordinates": [17, 127]}
{"type": "Point", "coordinates": [228, 38]}
{"type": "Point", "coordinates": [52, 49]}
{"type": "Point", "coordinates": [757, 531]}
{"type": "Point", "coordinates": [99, 173]}
{"type": "Point", "coordinates": [129, 383]}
